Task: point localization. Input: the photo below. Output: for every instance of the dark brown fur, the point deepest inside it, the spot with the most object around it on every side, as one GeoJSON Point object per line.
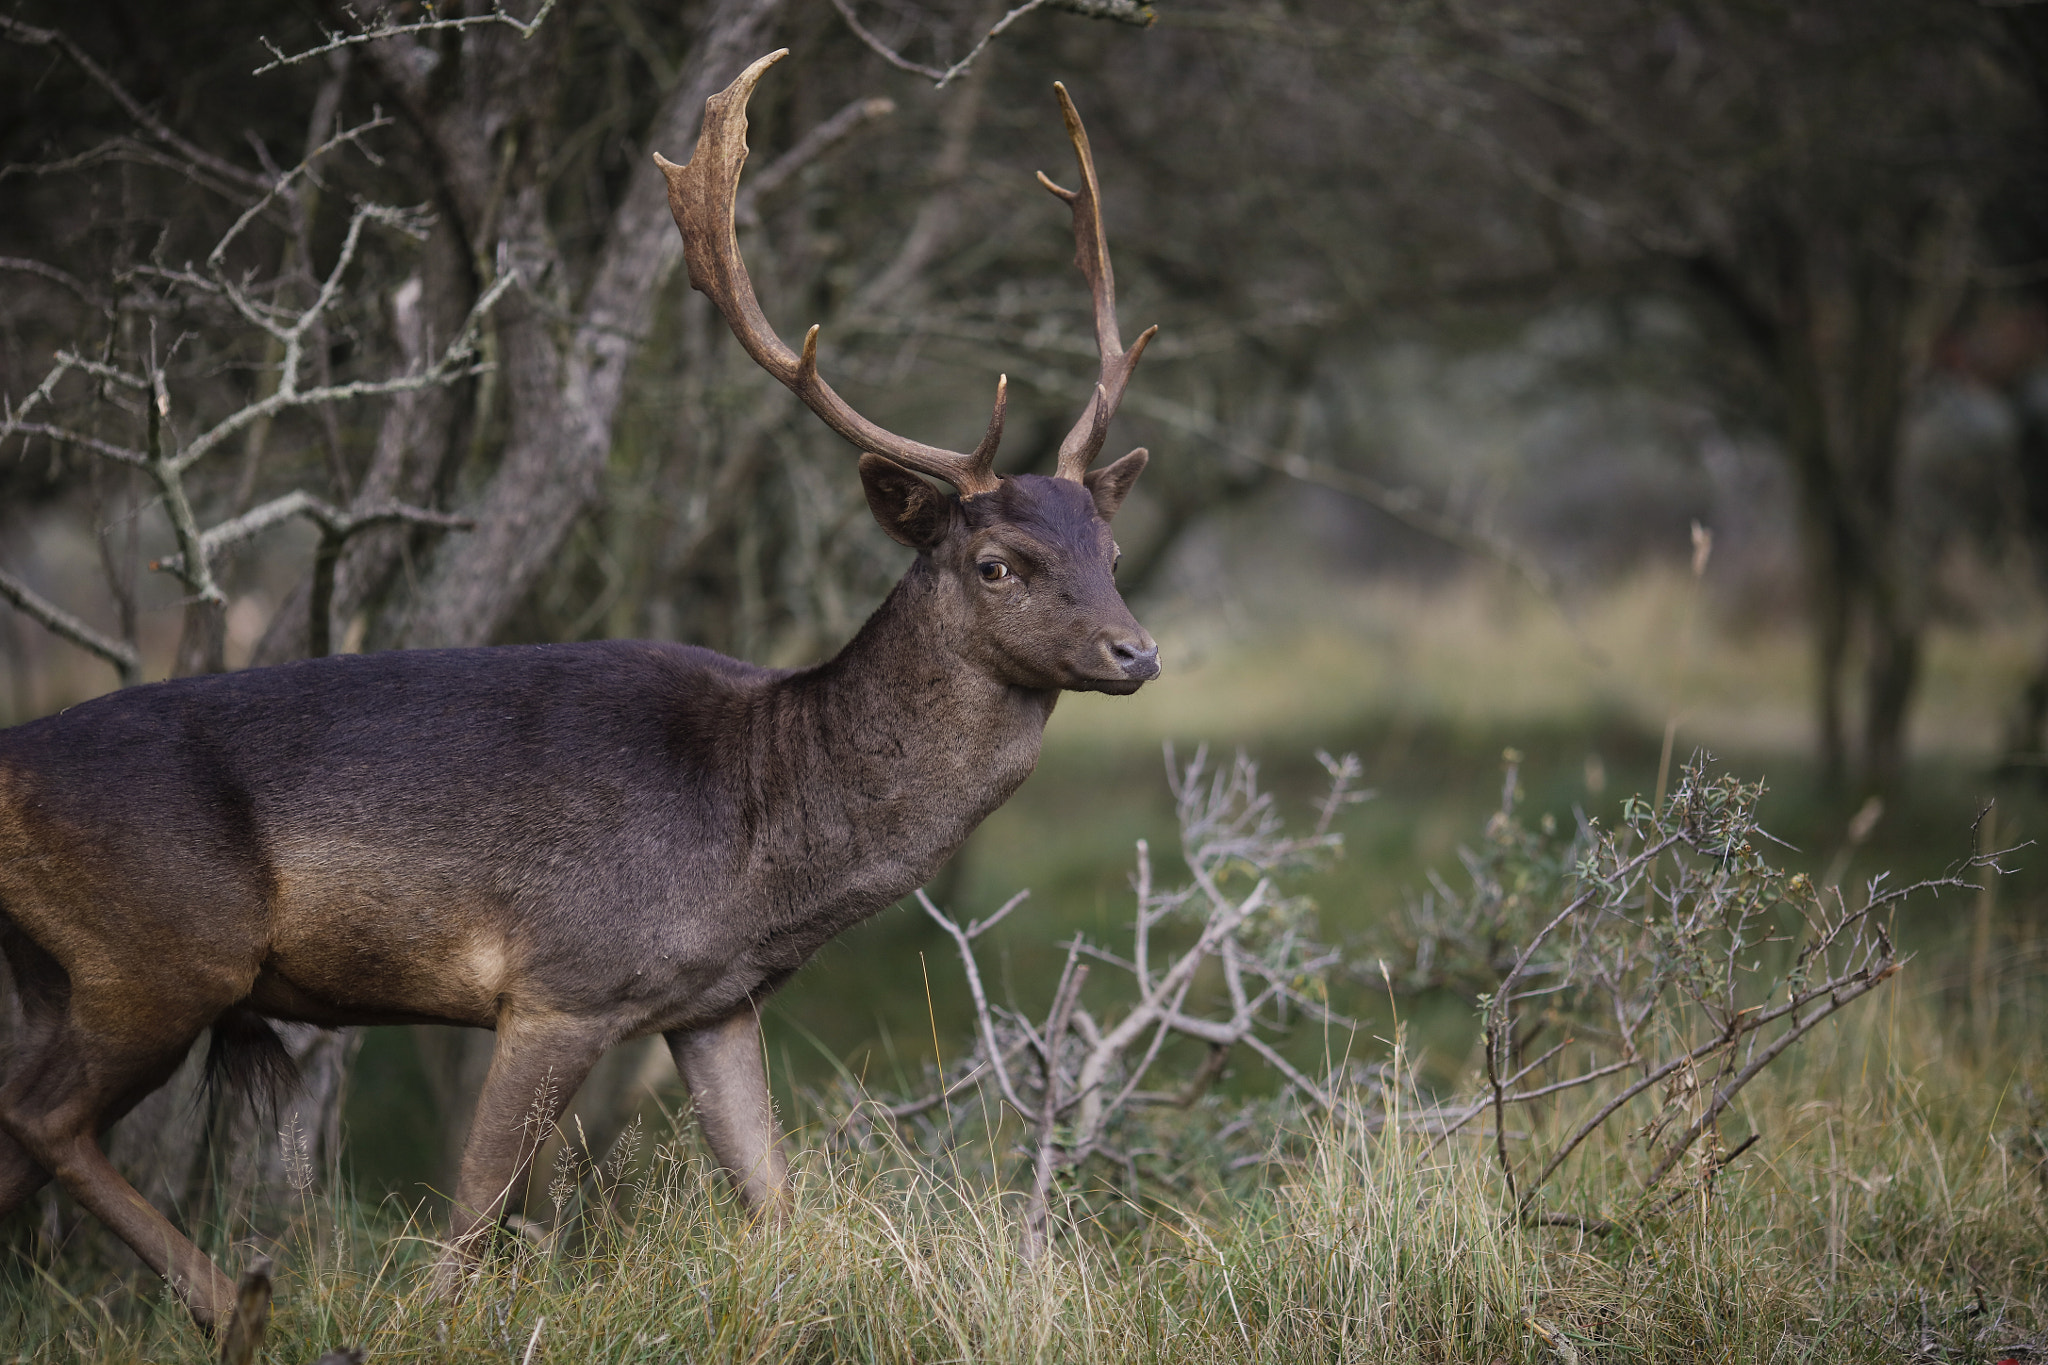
{"type": "Point", "coordinates": [573, 845]}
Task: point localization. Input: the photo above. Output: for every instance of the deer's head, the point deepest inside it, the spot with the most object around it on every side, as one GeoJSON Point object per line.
{"type": "Point", "coordinates": [1026, 563]}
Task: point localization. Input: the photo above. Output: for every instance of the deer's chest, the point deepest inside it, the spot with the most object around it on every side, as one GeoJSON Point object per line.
{"type": "Point", "coordinates": [833, 859]}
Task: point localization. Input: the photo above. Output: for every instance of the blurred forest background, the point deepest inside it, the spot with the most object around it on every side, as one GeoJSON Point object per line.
{"type": "Point", "coordinates": [1600, 380]}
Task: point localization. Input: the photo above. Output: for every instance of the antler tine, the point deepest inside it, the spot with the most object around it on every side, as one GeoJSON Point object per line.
{"type": "Point", "coordinates": [701, 196]}
{"type": "Point", "coordinates": [985, 452]}
{"type": "Point", "coordinates": [1091, 254]}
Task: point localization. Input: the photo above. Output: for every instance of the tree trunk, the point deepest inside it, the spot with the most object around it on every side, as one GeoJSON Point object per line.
{"type": "Point", "coordinates": [1891, 672]}
{"type": "Point", "coordinates": [562, 395]}
{"type": "Point", "coordinates": [2027, 733]}
{"type": "Point", "coordinates": [1826, 544]}
{"type": "Point", "coordinates": [1846, 354]}
{"type": "Point", "coordinates": [1830, 605]}
{"type": "Point", "coordinates": [203, 641]}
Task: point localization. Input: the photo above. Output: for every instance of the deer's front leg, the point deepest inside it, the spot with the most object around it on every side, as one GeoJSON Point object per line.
{"type": "Point", "coordinates": [536, 1068]}
{"type": "Point", "coordinates": [723, 1068]}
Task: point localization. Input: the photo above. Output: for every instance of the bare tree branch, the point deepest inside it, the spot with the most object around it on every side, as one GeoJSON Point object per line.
{"type": "Point", "coordinates": [31, 36]}
{"type": "Point", "coordinates": [299, 331]}
{"type": "Point", "coordinates": [1087, 1074]}
{"type": "Point", "coordinates": [808, 148]}
{"type": "Point", "coordinates": [1121, 11]}
{"type": "Point", "coordinates": [342, 522]}
{"type": "Point", "coordinates": [96, 301]}
{"type": "Point", "coordinates": [121, 654]}
{"type": "Point", "coordinates": [337, 40]}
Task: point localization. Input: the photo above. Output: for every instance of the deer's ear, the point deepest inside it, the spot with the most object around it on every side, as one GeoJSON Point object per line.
{"type": "Point", "coordinates": [1109, 484]}
{"type": "Point", "coordinates": [909, 509]}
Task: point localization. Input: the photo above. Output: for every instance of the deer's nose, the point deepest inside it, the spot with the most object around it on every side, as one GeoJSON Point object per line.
{"type": "Point", "coordinates": [1138, 658]}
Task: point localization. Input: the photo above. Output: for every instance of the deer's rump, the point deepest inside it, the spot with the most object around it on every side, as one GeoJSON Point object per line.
{"type": "Point", "coordinates": [403, 836]}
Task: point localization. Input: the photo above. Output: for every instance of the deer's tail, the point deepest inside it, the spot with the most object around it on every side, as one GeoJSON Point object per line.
{"type": "Point", "coordinates": [246, 1058]}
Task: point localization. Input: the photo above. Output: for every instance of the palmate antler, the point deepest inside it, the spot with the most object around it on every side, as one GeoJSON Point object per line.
{"type": "Point", "coordinates": [702, 195]}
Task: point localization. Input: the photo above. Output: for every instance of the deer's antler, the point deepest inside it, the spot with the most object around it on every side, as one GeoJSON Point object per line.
{"type": "Point", "coordinates": [701, 196]}
{"type": "Point", "coordinates": [1091, 254]}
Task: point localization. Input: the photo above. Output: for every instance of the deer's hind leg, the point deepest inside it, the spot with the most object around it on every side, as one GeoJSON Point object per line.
{"type": "Point", "coordinates": [55, 1108]}
{"type": "Point", "coordinates": [21, 1175]}
{"type": "Point", "coordinates": [41, 991]}
{"type": "Point", "coordinates": [89, 1052]}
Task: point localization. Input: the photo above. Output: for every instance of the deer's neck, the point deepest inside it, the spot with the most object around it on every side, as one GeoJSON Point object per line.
{"type": "Point", "coordinates": [884, 759]}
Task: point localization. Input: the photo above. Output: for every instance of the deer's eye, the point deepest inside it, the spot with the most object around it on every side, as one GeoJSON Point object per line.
{"type": "Point", "coordinates": [993, 570]}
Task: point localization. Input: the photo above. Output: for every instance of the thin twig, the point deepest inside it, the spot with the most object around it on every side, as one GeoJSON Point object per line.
{"type": "Point", "coordinates": [912, 1108]}
{"type": "Point", "coordinates": [121, 654]}
{"type": "Point", "coordinates": [336, 40]}
{"type": "Point", "coordinates": [983, 1019]}
{"type": "Point", "coordinates": [93, 443]}
{"type": "Point", "coordinates": [49, 37]}
{"type": "Point", "coordinates": [939, 78]}
{"type": "Point", "coordinates": [338, 521]}
{"type": "Point", "coordinates": [50, 272]}
{"type": "Point", "coordinates": [1726, 1094]}
{"type": "Point", "coordinates": [819, 140]}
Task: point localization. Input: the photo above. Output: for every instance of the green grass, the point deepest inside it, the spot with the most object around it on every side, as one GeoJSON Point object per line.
{"type": "Point", "coordinates": [1899, 1198]}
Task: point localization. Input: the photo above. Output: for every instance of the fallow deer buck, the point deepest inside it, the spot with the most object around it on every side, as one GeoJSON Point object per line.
{"type": "Point", "coordinates": [574, 845]}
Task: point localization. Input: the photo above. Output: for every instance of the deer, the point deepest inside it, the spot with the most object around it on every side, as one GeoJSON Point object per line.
{"type": "Point", "coordinates": [573, 845]}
